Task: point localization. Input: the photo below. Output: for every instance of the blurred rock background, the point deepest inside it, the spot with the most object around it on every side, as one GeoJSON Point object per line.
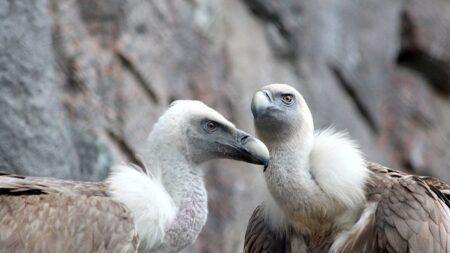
{"type": "Point", "coordinates": [82, 82]}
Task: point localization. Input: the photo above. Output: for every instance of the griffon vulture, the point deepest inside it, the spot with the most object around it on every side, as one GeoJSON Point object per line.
{"type": "Point", "coordinates": [324, 197]}
{"type": "Point", "coordinates": [161, 208]}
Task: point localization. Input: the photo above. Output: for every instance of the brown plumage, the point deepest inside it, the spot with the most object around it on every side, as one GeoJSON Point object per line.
{"type": "Point", "coordinates": [50, 215]}
{"type": "Point", "coordinates": [411, 214]}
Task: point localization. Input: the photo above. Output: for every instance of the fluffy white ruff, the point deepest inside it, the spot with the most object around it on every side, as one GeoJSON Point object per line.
{"type": "Point", "coordinates": [275, 217]}
{"type": "Point", "coordinates": [338, 167]}
{"type": "Point", "coordinates": [152, 207]}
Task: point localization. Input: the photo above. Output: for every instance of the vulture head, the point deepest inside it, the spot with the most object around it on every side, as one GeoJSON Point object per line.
{"type": "Point", "coordinates": [201, 134]}
{"type": "Point", "coordinates": [280, 113]}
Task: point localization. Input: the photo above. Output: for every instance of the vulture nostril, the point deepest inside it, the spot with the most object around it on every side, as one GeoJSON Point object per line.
{"type": "Point", "coordinates": [268, 95]}
{"type": "Point", "coordinates": [244, 139]}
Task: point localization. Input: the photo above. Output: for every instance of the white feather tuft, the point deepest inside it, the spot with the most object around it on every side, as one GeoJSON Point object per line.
{"type": "Point", "coordinates": [338, 167]}
{"type": "Point", "coordinates": [343, 237]}
{"type": "Point", "coordinates": [152, 207]}
{"type": "Point", "coordinates": [274, 216]}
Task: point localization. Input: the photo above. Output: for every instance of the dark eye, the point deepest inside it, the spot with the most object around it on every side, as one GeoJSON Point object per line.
{"type": "Point", "coordinates": [210, 126]}
{"type": "Point", "coordinates": [287, 99]}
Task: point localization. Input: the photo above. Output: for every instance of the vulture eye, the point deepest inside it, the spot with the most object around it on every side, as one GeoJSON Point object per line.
{"type": "Point", "coordinates": [210, 126]}
{"type": "Point", "coordinates": [287, 99]}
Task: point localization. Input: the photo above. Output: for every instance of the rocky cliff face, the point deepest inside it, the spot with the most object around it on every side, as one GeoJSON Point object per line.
{"type": "Point", "coordinates": [83, 81]}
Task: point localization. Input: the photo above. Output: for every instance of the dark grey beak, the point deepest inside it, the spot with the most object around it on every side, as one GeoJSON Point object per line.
{"type": "Point", "coordinates": [249, 149]}
{"type": "Point", "coordinates": [260, 102]}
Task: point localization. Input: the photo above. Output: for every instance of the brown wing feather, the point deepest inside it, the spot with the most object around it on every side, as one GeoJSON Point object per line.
{"type": "Point", "coordinates": [412, 214]}
{"type": "Point", "coordinates": [435, 182]}
{"type": "Point", "coordinates": [441, 188]}
{"type": "Point", "coordinates": [44, 215]}
{"type": "Point", "coordinates": [18, 185]}
{"type": "Point", "coordinates": [259, 238]}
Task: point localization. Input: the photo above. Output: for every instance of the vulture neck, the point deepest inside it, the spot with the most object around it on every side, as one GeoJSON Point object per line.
{"type": "Point", "coordinates": [289, 172]}
{"type": "Point", "coordinates": [179, 176]}
{"type": "Point", "coordinates": [169, 203]}
{"type": "Point", "coordinates": [183, 180]}
{"type": "Point", "coordinates": [317, 179]}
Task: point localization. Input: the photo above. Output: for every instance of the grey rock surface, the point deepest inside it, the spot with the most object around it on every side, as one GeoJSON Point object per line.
{"type": "Point", "coordinates": [35, 136]}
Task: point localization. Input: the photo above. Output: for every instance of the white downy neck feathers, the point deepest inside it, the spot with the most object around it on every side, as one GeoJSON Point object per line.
{"type": "Point", "coordinates": [152, 207]}
{"type": "Point", "coordinates": [338, 167]}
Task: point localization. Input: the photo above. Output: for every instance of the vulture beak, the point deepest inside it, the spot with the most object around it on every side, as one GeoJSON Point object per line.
{"type": "Point", "coordinates": [249, 149]}
{"type": "Point", "coordinates": [260, 102]}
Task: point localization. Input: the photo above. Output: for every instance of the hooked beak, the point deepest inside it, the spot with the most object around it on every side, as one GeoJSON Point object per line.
{"type": "Point", "coordinates": [250, 149]}
{"type": "Point", "coordinates": [260, 102]}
